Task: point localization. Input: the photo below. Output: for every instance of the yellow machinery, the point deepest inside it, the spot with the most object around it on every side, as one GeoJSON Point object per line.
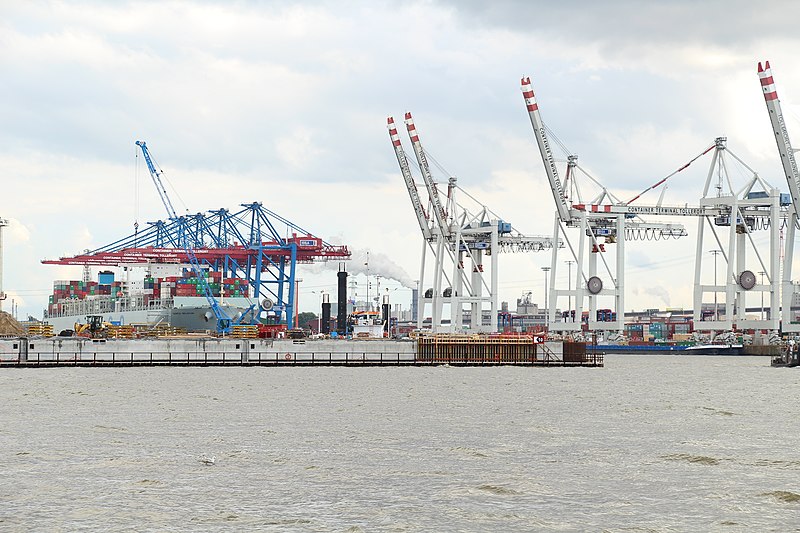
{"type": "Point", "coordinates": [93, 328]}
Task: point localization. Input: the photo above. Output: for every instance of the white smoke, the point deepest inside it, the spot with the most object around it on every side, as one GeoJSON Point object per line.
{"type": "Point", "coordinates": [659, 292]}
{"type": "Point", "coordinates": [372, 263]}
{"type": "Point", "coordinates": [378, 264]}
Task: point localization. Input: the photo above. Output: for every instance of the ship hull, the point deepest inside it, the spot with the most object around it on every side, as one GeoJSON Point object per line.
{"type": "Point", "coordinates": [189, 313]}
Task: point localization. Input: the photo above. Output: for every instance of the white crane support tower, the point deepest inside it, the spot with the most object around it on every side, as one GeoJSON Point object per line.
{"type": "Point", "coordinates": [459, 239]}
{"type": "Point", "coordinates": [792, 175]}
{"type": "Point", "coordinates": [743, 210]}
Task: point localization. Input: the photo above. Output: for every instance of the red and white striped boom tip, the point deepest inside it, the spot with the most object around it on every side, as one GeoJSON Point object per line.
{"type": "Point", "coordinates": [527, 93]}
{"type": "Point", "coordinates": [393, 131]}
{"type": "Point", "coordinates": [412, 130]}
{"type": "Point", "coordinates": [767, 82]}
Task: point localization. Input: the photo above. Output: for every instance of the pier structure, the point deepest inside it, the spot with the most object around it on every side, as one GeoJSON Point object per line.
{"type": "Point", "coordinates": [429, 350]}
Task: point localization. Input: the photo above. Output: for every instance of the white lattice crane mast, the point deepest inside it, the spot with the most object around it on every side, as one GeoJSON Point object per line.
{"type": "Point", "coordinates": [443, 234]}
{"type": "Point", "coordinates": [544, 149]}
{"type": "Point", "coordinates": [439, 212]}
{"type": "Point", "coordinates": [413, 193]}
{"type": "Point", "coordinates": [790, 171]}
{"type": "Point", "coordinates": [781, 134]}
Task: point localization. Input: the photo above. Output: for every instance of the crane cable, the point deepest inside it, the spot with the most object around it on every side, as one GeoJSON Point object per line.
{"type": "Point", "coordinates": [660, 182]}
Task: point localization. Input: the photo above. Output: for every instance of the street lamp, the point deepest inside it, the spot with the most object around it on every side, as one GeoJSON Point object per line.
{"type": "Point", "coordinates": [546, 309]}
{"type": "Point", "coordinates": [319, 309]}
{"type": "Point", "coordinates": [296, 299]}
{"type": "Point", "coordinates": [716, 308]}
{"type": "Point", "coordinates": [569, 284]}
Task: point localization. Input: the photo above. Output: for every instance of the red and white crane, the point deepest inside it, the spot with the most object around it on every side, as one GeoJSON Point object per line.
{"type": "Point", "coordinates": [607, 217]}
{"type": "Point", "coordinates": [785, 150]}
{"type": "Point", "coordinates": [792, 175]}
{"type": "Point", "coordinates": [549, 161]}
{"type": "Point", "coordinates": [459, 238]}
{"type": "Point", "coordinates": [413, 193]}
{"type": "Point", "coordinates": [439, 212]}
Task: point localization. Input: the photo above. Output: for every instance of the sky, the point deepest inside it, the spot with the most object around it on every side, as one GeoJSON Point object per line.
{"type": "Point", "coordinates": [286, 103]}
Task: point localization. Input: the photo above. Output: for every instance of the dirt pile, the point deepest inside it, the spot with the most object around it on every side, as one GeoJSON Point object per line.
{"type": "Point", "coordinates": [9, 326]}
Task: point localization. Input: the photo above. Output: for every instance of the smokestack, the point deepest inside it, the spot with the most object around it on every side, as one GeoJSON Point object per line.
{"type": "Point", "coordinates": [341, 302]}
{"type": "Point", "coordinates": [325, 328]}
{"type": "Point", "coordinates": [386, 315]}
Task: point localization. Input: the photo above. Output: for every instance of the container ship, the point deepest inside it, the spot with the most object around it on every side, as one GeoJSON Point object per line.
{"type": "Point", "coordinates": [173, 296]}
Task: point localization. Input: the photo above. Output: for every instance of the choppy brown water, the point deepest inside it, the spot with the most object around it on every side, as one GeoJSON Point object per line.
{"type": "Point", "coordinates": [648, 443]}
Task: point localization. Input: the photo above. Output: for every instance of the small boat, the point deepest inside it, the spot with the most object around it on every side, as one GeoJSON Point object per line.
{"type": "Point", "coordinates": [788, 357]}
{"type": "Point", "coordinates": [714, 349]}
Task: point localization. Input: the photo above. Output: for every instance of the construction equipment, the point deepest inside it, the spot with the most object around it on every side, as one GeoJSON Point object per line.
{"type": "Point", "coordinates": [94, 328]}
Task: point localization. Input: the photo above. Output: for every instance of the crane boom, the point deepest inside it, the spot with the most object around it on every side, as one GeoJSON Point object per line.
{"type": "Point", "coordinates": [438, 209]}
{"type": "Point", "coordinates": [156, 175]}
{"type": "Point", "coordinates": [781, 134]}
{"type": "Point", "coordinates": [223, 320]}
{"type": "Point", "coordinates": [547, 155]}
{"type": "Point", "coordinates": [413, 193]}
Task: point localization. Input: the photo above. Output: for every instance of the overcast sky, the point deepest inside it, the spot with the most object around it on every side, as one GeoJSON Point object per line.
{"type": "Point", "coordinates": [286, 103]}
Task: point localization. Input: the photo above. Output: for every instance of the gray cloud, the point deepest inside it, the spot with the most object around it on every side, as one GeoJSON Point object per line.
{"type": "Point", "coordinates": [733, 24]}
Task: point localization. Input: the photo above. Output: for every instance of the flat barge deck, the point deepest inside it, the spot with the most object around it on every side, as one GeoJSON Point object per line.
{"type": "Point", "coordinates": [78, 352]}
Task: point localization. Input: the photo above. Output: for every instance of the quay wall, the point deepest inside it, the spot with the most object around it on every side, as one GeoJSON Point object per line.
{"type": "Point", "coordinates": [207, 351]}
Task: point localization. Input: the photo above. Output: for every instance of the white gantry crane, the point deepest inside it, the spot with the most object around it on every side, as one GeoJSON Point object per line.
{"type": "Point", "coordinates": [613, 221]}
{"type": "Point", "coordinates": [459, 240]}
{"type": "Point", "coordinates": [790, 171]}
{"type": "Point", "coordinates": [596, 222]}
{"type": "Point", "coordinates": [732, 217]}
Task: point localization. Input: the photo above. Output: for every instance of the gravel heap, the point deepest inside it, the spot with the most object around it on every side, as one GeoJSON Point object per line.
{"type": "Point", "coordinates": [9, 326]}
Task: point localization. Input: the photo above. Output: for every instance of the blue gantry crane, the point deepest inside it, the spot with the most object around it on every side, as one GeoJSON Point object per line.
{"type": "Point", "coordinates": [254, 243]}
{"type": "Point", "coordinates": [224, 322]}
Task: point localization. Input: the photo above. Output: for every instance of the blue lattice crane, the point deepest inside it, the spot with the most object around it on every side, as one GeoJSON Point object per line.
{"type": "Point", "coordinates": [224, 322]}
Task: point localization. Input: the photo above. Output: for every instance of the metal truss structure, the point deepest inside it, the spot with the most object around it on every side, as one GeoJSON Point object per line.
{"type": "Point", "coordinates": [459, 239]}
{"type": "Point", "coordinates": [247, 244]}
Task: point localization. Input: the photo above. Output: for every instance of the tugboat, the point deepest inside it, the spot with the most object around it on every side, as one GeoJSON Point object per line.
{"type": "Point", "coordinates": [789, 356]}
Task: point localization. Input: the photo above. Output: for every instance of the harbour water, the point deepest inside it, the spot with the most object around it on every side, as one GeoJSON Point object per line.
{"type": "Point", "coordinates": [648, 443]}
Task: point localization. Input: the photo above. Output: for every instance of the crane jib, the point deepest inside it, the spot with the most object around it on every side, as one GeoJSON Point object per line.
{"type": "Point", "coordinates": [552, 163]}
{"type": "Point", "coordinates": [790, 153]}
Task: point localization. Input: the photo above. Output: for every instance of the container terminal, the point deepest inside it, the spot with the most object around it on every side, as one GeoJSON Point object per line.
{"type": "Point", "coordinates": [227, 273]}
